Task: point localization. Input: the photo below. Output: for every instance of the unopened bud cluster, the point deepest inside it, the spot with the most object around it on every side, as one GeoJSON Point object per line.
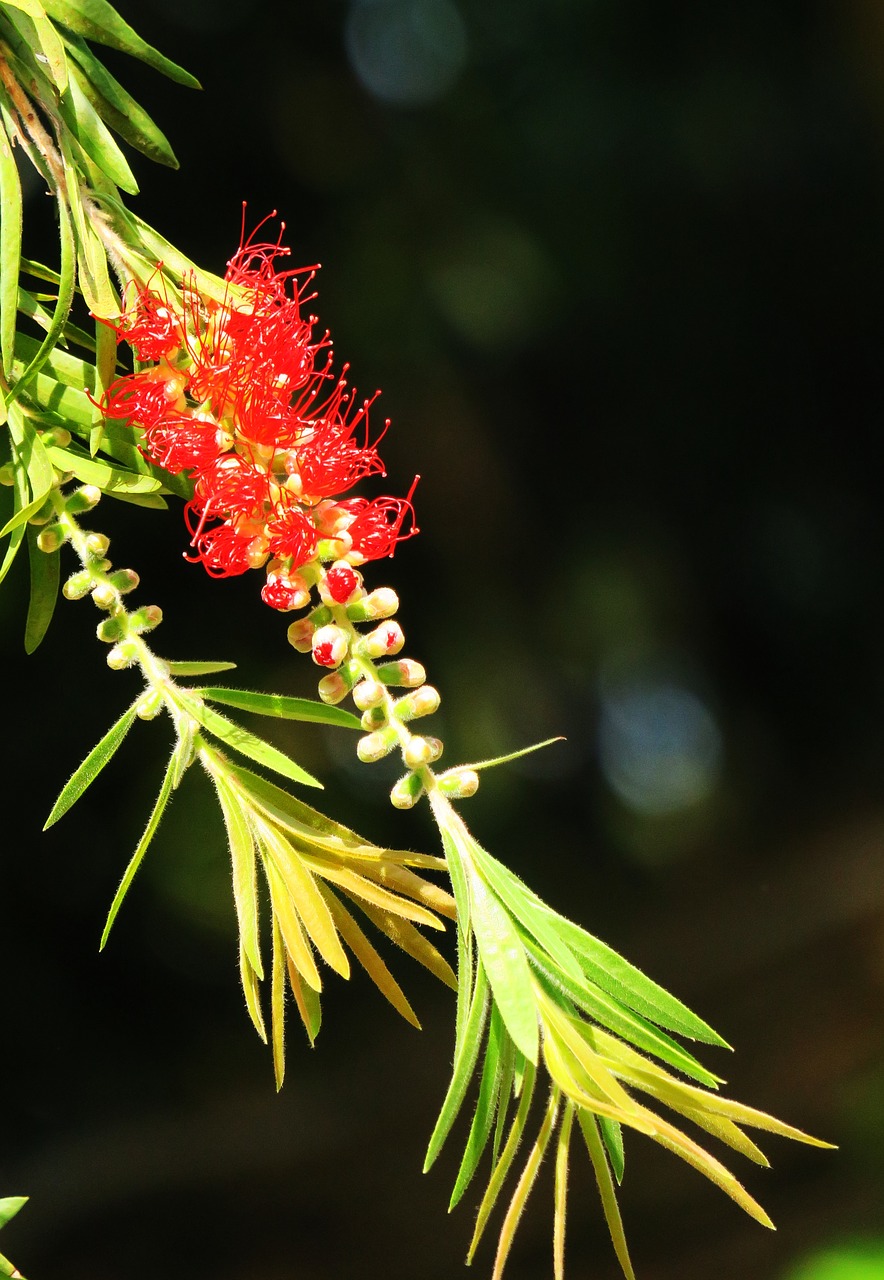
{"type": "Point", "coordinates": [359, 665]}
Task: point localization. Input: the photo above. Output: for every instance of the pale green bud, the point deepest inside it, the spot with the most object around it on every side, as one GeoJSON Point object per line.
{"type": "Point", "coordinates": [146, 618]}
{"type": "Point", "coordinates": [405, 673]}
{"type": "Point", "coordinates": [125, 580]}
{"type": "Point", "coordinates": [97, 545]}
{"type": "Point", "coordinates": [104, 596]}
{"type": "Point", "coordinates": [122, 655]}
{"type": "Point", "coordinates": [421, 751]}
{"type": "Point", "coordinates": [374, 718]}
{"type": "Point", "coordinates": [407, 791]}
{"type": "Point", "coordinates": [382, 603]}
{"type": "Point", "coordinates": [83, 499]}
{"type": "Point", "coordinates": [111, 630]}
{"type": "Point", "coordinates": [374, 746]}
{"type": "Point", "coordinates": [420, 702]}
{"type": "Point", "coordinates": [459, 784]}
{"type": "Point", "coordinates": [78, 585]}
{"type": "Point", "coordinates": [368, 694]}
{"type": "Point", "coordinates": [150, 704]}
{"type": "Point", "coordinates": [51, 538]}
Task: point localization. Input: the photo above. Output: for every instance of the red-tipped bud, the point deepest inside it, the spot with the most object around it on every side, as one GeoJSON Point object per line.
{"type": "Point", "coordinates": [340, 583]}
{"type": "Point", "coordinates": [386, 639]}
{"type": "Point", "coordinates": [285, 592]}
{"type": "Point", "coordinates": [330, 646]}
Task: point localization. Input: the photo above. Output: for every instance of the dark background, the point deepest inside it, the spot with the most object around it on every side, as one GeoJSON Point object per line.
{"type": "Point", "coordinates": [618, 269]}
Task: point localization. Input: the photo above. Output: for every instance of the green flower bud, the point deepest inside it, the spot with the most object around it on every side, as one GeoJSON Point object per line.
{"type": "Point", "coordinates": [334, 687]}
{"type": "Point", "coordinates": [405, 673]}
{"type": "Point", "coordinates": [51, 538]}
{"type": "Point", "coordinates": [58, 436]}
{"type": "Point", "coordinates": [374, 718]}
{"type": "Point", "coordinates": [43, 515]}
{"type": "Point", "coordinates": [78, 585]}
{"type": "Point", "coordinates": [83, 499]}
{"type": "Point", "coordinates": [7, 474]}
{"type": "Point", "coordinates": [368, 694]}
{"type": "Point", "coordinates": [150, 704]}
{"type": "Point", "coordinates": [111, 630]}
{"type": "Point", "coordinates": [407, 791]}
{"type": "Point", "coordinates": [459, 784]}
{"type": "Point", "coordinates": [374, 746]}
{"type": "Point", "coordinates": [300, 635]}
{"type": "Point", "coordinates": [104, 596]}
{"type": "Point", "coordinates": [125, 580]}
{"type": "Point", "coordinates": [97, 545]}
{"type": "Point", "coordinates": [421, 751]}
{"type": "Point", "coordinates": [421, 702]}
{"type": "Point", "coordinates": [382, 603]}
{"type": "Point", "coordinates": [146, 618]}
{"type": "Point", "coordinates": [122, 655]}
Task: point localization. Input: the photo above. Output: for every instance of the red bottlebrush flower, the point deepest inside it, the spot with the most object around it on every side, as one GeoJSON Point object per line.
{"type": "Point", "coordinates": [227, 550]}
{"type": "Point", "coordinates": [182, 443]}
{"type": "Point", "coordinates": [292, 536]}
{"type": "Point", "coordinates": [150, 326]}
{"type": "Point", "coordinates": [377, 525]}
{"type": "Point", "coordinates": [330, 461]}
{"type": "Point", "coordinates": [285, 593]}
{"type": "Point", "coordinates": [145, 398]}
{"type": "Point", "coordinates": [231, 484]}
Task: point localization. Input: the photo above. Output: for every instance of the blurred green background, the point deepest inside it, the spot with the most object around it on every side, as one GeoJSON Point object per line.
{"type": "Point", "coordinates": [618, 268]}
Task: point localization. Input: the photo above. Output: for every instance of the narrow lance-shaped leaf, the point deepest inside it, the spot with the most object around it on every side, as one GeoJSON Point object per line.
{"type": "Point", "coordinates": [135, 862]}
{"type": "Point", "coordinates": [525, 1184]}
{"type": "Point", "coordinates": [17, 533]}
{"type": "Point", "coordinates": [51, 54]}
{"type": "Point", "coordinates": [277, 1006]}
{"type": "Point", "coordinates": [118, 108]}
{"type": "Point", "coordinates": [97, 20]}
{"type": "Point", "coordinates": [93, 135]}
{"type": "Point", "coordinates": [464, 1065]}
{"type": "Point", "coordinates": [10, 248]}
{"type": "Point", "coordinates": [563, 1146]}
{"type": "Point", "coordinates": [274, 704]}
{"type": "Point", "coordinates": [368, 957]}
{"type": "Point", "coordinates": [486, 1103]}
{"type": "Point", "coordinates": [44, 568]}
{"type": "Point", "coordinates": [308, 1002]}
{"type": "Point", "coordinates": [199, 668]}
{"type": "Point", "coordinates": [10, 1206]}
{"type": "Point", "coordinates": [246, 743]}
{"type": "Point", "coordinates": [242, 856]}
{"type": "Point", "coordinates": [111, 480]}
{"type": "Point", "coordinates": [89, 770]}
{"type": "Point", "coordinates": [607, 1191]}
{"type": "Point", "coordinates": [504, 960]}
{"type": "Point", "coordinates": [507, 1155]}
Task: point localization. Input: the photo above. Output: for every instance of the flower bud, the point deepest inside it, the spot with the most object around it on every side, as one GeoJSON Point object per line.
{"type": "Point", "coordinates": [43, 515]}
{"type": "Point", "coordinates": [330, 646]}
{"type": "Point", "coordinates": [420, 702]}
{"type": "Point", "coordinates": [111, 630]}
{"type": "Point", "coordinates": [387, 638]}
{"type": "Point", "coordinates": [150, 704]}
{"type": "Point", "coordinates": [58, 436]}
{"type": "Point", "coordinates": [321, 616]}
{"type": "Point", "coordinates": [340, 583]}
{"type": "Point", "coordinates": [146, 618]}
{"type": "Point", "coordinates": [368, 694]}
{"type": "Point", "coordinates": [78, 585]}
{"type": "Point", "coordinates": [83, 499]}
{"type": "Point", "coordinates": [382, 603]}
{"type": "Point", "coordinates": [50, 538]}
{"type": "Point", "coordinates": [334, 687]}
{"type": "Point", "coordinates": [97, 545]}
{"type": "Point", "coordinates": [125, 580]}
{"type": "Point", "coordinates": [407, 791]}
{"type": "Point", "coordinates": [374, 746]}
{"type": "Point", "coordinates": [104, 596]}
{"type": "Point", "coordinates": [459, 784]}
{"type": "Point", "coordinates": [374, 717]}
{"type": "Point", "coordinates": [406, 674]}
{"type": "Point", "coordinates": [421, 751]}
{"type": "Point", "coordinates": [7, 474]}
{"type": "Point", "coordinates": [122, 655]}
{"type": "Point", "coordinates": [300, 635]}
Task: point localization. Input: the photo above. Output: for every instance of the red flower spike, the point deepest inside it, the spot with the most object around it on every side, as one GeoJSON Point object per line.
{"type": "Point", "coordinates": [231, 485]}
{"type": "Point", "coordinates": [145, 398]}
{"type": "Point", "coordinates": [285, 593]}
{"type": "Point", "coordinates": [149, 325]}
{"type": "Point", "coordinates": [182, 443]}
{"type": "Point", "coordinates": [377, 525]}
{"type": "Point", "coordinates": [227, 550]}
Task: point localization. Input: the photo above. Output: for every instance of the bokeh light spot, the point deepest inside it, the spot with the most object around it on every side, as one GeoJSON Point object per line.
{"type": "Point", "coordinates": [406, 52]}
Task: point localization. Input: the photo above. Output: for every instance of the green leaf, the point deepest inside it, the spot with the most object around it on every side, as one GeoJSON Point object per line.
{"type": "Point", "coordinates": [247, 743]}
{"type": "Point", "coordinates": [118, 108]}
{"type": "Point", "coordinates": [135, 862]}
{"type": "Point", "coordinates": [242, 856]}
{"type": "Point", "coordinates": [110, 480]}
{"type": "Point", "coordinates": [512, 755]}
{"type": "Point", "coordinates": [32, 455]}
{"type": "Point", "coordinates": [466, 1054]}
{"type": "Point", "coordinates": [612, 1136]}
{"type": "Point", "coordinates": [17, 532]}
{"type": "Point", "coordinates": [563, 1146]}
{"type": "Point", "coordinates": [504, 959]}
{"type": "Point", "coordinates": [99, 21]}
{"type": "Point", "coordinates": [53, 56]}
{"type": "Point", "coordinates": [44, 591]}
{"type": "Point", "coordinates": [486, 1104]}
{"type": "Point", "coordinates": [368, 957]}
{"type": "Point", "coordinates": [64, 301]}
{"type": "Point", "coordinates": [9, 1207]}
{"type": "Point", "coordinates": [277, 1006]}
{"type": "Point", "coordinates": [507, 1155]}
{"type": "Point", "coordinates": [10, 249]}
{"type": "Point", "coordinates": [93, 135]}
{"type": "Point", "coordinates": [305, 896]}
{"type": "Point", "coordinates": [92, 766]}
{"type": "Point", "coordinates": [607, 1191]}
{"type": "Point", "coordinates": [614, 974]}
{"type": "Point", "coordinates": [199, 668]}
{"type": "Point", "coordinates": [308, 1002]}
{"type": "Point", "coordinates": [252, 993]}
{"type": "Point", "coordinates": [274, 704]}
